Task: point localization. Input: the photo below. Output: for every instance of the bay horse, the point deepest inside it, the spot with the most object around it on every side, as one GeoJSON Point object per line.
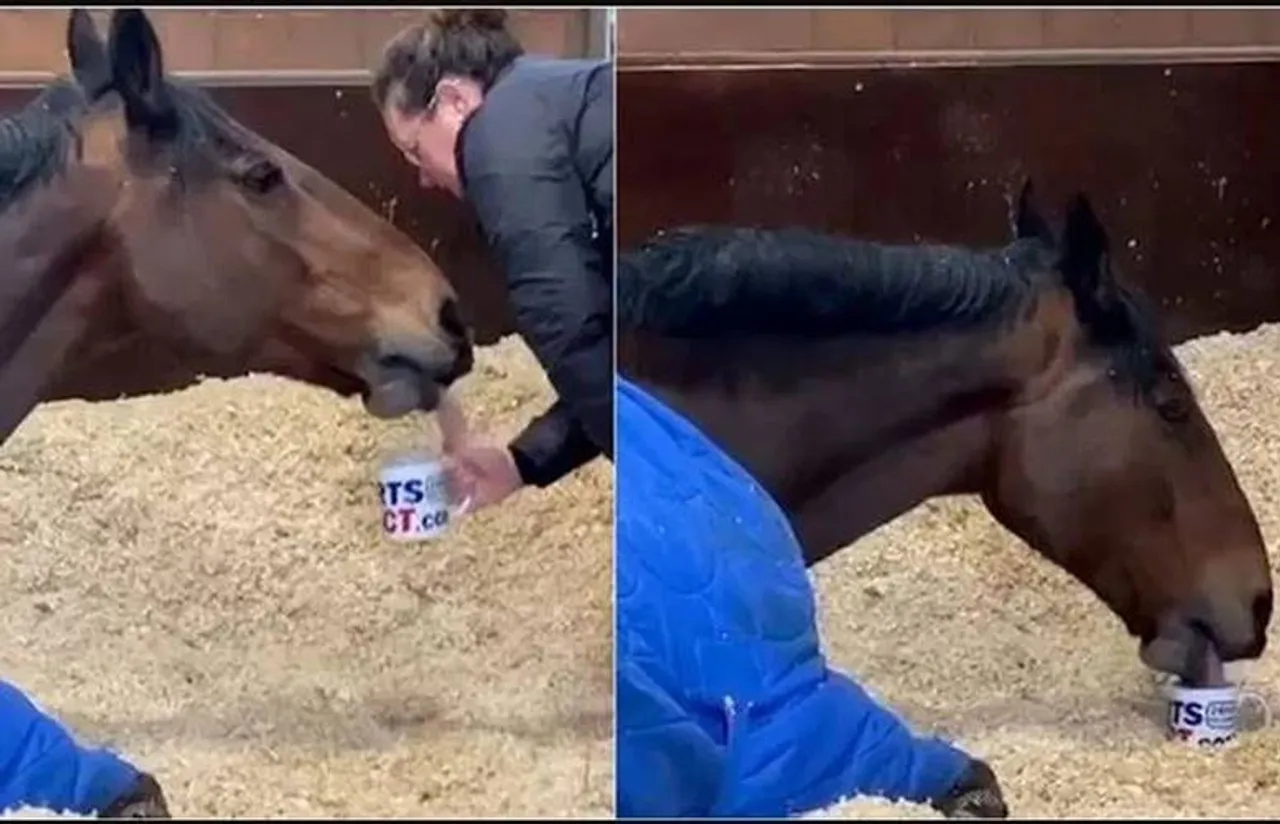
{"type": "Point", "coordinates": [856, 380]}
{"type": "Point", "coordinates": [147, 238]}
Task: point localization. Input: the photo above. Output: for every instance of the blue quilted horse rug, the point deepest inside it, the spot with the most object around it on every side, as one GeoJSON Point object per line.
{"type": "Point", "coordinates": [725, 703]}
{"type": "Point", "coordinates": [42, 766]}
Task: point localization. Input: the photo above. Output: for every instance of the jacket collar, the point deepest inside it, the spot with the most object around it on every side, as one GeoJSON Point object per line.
{"type": "Point", "coordinates": [458, 148]}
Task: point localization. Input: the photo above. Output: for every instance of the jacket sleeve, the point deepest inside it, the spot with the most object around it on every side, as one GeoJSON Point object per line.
{"type": "Point", "coordinates": [528, 193]}
{"type": "Point", "coordinates": [551, 446]}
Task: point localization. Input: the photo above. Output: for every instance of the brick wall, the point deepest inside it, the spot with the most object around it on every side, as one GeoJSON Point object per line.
{"type": "Point", "coordinates": [251, 41]}
{"type": "Point", "coordinates": [832, 34]}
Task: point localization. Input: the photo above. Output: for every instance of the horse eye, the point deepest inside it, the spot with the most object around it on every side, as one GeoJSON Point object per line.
{"type": "Point", "coordinates": [262, 176]}
{"type": "Point", "coordinates": [1174, 410]}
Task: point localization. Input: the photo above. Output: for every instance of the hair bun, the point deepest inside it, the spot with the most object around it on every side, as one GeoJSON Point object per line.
{"type": "Point", "coordinates": [474, 19]}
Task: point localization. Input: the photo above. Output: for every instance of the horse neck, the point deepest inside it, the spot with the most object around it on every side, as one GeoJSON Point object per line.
{"type": "Point", "coordinates": [59, 277]}
{"type": "Point", "coordinates": [845, 433]}
{"type": "Point", "coordinates": [31, 370]}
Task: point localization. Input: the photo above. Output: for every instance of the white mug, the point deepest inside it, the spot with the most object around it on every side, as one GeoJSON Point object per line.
{"type": "Point", "coordinates": [1208, 717]}
{"type": "Point", "coordinates": [415, 498]}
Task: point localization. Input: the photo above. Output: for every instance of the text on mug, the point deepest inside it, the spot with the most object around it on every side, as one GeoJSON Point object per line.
{"type": "Point", "coordinates": [412, 491]}
{"type": "Point", "coordinates": [403, 519]}
{"type": "Point", "coordinates": [1218, 715]}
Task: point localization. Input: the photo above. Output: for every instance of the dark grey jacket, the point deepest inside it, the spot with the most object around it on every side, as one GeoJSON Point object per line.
{"type": "Point", "coordinates": [536, 161]}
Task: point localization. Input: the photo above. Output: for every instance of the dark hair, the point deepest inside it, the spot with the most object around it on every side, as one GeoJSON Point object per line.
{"type": "Point", "coordinates": [472, 43]}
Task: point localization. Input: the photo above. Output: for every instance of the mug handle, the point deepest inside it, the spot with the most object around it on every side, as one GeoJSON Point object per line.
{"type": "Point", "coordinates": [1247, 697]}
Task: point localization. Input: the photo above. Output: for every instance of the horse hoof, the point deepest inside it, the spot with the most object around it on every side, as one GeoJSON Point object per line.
{"type": "Point", "coordinates": [976, 795]}
{"type": "Point", "coordinates": [144, 800]}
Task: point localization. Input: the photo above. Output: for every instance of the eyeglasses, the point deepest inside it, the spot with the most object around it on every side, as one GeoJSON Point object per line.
{"type": "Point", "coordinates": [412, 151]}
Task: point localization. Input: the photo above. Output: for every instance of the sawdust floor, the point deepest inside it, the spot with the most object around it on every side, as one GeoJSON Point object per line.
{"type": "Point", "coordinates": [199, 580]}
{"type": "Point", "coordinates": [966, 632]}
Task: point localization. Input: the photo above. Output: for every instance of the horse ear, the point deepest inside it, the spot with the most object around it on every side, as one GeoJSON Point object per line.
{"type": "Point", "coordinates": [1028, 223]}
{"type": "Point", "coordinates": [137, 71]}
{"type": "Point", "coordinates": [1086, 256]}
{"type": "Point", "coordinates": [87, 54]}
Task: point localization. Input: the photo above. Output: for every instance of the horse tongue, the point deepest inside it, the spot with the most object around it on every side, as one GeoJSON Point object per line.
{"type": "Point", "coordinates": [1207, 669]}
{"type": "Point", "coordinates": [399, 392]}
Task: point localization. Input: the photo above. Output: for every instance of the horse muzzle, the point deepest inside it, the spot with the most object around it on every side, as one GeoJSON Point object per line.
{"type": "Point", "coordinates": [1198, 649]}
{"type": "Point", "coordinates": [397, 384]}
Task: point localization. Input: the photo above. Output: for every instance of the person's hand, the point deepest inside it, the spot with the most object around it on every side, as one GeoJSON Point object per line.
{"type": "Point", "coordinates": [481, 474]}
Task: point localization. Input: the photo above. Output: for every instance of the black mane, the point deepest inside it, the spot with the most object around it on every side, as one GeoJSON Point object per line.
{"type": "Point", "coordinates": [37, 140]}
{"type": "Point", "coordinates": [702, 281]}
{"type": "Point", "coordinates": [712, 281]}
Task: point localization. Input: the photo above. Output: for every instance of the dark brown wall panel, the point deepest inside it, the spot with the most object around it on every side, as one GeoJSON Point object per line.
{"type": "Point", "coordinates": [1182, 162]}
{"type": "Point", "coordinates": [678, 36]}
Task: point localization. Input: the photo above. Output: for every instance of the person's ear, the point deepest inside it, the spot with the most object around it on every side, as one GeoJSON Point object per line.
{"type": "Point", "coordinates": [457, 96]}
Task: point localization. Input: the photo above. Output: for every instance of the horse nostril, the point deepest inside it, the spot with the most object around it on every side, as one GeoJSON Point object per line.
{"type": "Point", "coordinates": [1262, 607]}
{"type": "Point", "coordinates": [465, 361]}
{"type": "Point", "coordinates": [451, 320]}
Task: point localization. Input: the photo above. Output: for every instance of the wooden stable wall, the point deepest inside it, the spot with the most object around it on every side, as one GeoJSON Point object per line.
{"type": "Point", "coordinates": [237, 40]}
{"type": "Point", "coordinates": [844, 35]}
{"type": "Point", "coordinates": [1180, 154]}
